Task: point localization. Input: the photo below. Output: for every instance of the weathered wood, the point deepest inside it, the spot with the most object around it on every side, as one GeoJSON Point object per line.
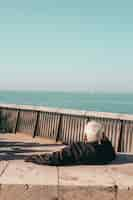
{"type": "Point", "coordinates": [71, 129]}
{"type": "Point", "coordinates": [127, 137]}
{"type": "Point", "coordinates": [8, 120]}
{"type": "Point", "coordinates": [36, 124]}
{"type": "Point", "coordinates": [66, 125]}
{"type": "Point", "coordinates": [26, 121]}
{"type": "Point", "coordinates": [88, 114]}
{"type": "Point", "coordinates": [17, 120]}
{"type": "Point", "coordinates": [48, 124]}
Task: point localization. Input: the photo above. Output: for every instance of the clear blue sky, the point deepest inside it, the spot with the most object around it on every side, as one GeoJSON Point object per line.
{"type": "Point", "coordinates": [66, 45]}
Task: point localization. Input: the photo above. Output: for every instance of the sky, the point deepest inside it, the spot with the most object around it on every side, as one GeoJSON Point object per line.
{"type": "Point", "coordinates": [66, 45]}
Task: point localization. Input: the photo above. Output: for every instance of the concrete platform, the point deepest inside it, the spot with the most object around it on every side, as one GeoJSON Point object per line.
{"type": "Point", "coordinates": [21, 181]}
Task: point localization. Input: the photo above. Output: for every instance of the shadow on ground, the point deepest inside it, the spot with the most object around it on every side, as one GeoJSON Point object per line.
{"type": "Point", "coordinates": [16, 150]}
{"type": "Point", "coordinates": [123, 158]}
{"type": "Point", "coordinates": [20, 150]}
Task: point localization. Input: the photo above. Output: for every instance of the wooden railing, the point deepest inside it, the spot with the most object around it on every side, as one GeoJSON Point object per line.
{"type": "Point", "coordinates": [66, 125]}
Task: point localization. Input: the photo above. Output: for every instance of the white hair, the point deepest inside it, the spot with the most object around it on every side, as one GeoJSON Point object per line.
{"type": "Point", "coordinates": [93, 132]}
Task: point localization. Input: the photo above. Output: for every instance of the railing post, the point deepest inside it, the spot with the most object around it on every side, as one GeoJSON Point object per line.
{"type": "Point", "coordinates": [36, 124]}
{"type": "Point", "coordinates": [17, 120]}
{"type": "Point", "coordinates": [59, 128]}
{"type": "Point", "coordinates": [121, 137]}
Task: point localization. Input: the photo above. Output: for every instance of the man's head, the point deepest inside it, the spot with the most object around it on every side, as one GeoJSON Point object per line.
{"type": "Point", "coordinates": [93, 132]}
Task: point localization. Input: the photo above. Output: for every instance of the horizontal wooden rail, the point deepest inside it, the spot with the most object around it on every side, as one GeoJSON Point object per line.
{"type": "Point", "coordinates": [69, 111]}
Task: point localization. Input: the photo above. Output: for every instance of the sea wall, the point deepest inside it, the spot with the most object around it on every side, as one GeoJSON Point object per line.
{"type": "Point", "coordinates": [65, 125]}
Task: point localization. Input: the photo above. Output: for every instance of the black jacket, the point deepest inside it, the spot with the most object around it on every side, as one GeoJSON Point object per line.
{"type": "Point", "coordinates": [78, 153]}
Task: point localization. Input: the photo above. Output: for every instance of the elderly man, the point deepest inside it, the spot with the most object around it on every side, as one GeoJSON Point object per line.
{"type": "Point", "coordinates": [95, 149]}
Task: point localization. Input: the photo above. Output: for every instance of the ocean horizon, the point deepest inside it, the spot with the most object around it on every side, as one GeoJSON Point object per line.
{"type": "Point", "coordinates": [90, 101]}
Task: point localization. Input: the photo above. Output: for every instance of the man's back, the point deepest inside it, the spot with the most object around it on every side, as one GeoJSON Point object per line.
{"type": "Point", "coordinates": [78, 153]}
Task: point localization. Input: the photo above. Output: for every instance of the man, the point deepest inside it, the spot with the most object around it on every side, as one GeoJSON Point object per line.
{"type": "Point", "coordinates": [95, 149]}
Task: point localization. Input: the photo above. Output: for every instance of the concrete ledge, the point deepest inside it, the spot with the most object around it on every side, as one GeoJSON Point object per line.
{"type": "Point", "coordinates": [19, 172]}
{"type": "Point", "coordinates": [22, 181]}
{"type": "Point", "coordinates": [27, 192]}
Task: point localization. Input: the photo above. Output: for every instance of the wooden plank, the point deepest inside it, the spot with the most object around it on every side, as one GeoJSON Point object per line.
{"type": "Point", "coordinates": [72, 129]}
{"type": "Point", "coordinates": [48, 123]}
{"type": "Point", "coordinates": [26, 121]}
{"type": "Point", "coordinates": [127, 137]}
{"type": "Point", "coordinates": [8, 120]}
{"type": "Point", "coordinates": [72, 124]}
{"type": "Point", "coordinates": [36, 124]}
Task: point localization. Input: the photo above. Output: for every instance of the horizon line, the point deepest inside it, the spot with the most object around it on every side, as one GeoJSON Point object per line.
{"type": "Point", "coordinates": [67, 91]}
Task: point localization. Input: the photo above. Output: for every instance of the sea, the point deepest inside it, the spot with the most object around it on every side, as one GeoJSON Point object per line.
{"type": "Point", "coordinates": [100, 102]}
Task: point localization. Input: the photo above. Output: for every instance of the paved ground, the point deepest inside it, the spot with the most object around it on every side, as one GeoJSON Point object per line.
{"type": "Point", "coordinates": [20, 180]}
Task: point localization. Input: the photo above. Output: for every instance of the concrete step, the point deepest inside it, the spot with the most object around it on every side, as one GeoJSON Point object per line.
{"type": "Point", "coordinates": [22, 181]}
